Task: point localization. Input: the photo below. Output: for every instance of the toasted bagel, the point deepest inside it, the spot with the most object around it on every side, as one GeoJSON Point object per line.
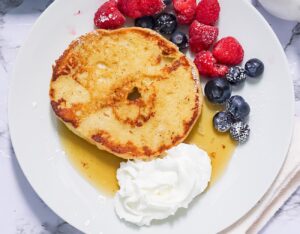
{"type": "Point", "coordinates": [128, 91]}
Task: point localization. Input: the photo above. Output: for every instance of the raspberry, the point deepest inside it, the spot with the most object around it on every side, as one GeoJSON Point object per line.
{"type": "Point", "coordinates": [228, 51]}
{"type": "Point", "coordinates": [202, 36]}
{"type": "Point", "coordinates": [207, 66]}
{"type": "Point", "coordinates": [185, 10]}
{"type": "Point", "coordinates": [139, 8]}
{"type": "Point", "coordinates": [131, 8]}
{"type": "Point", "coordinates": [151, 7]}
{"type": "Point", "coordinates": [108, 16]}
{"type": "Point", "coordinates": [207, 12]}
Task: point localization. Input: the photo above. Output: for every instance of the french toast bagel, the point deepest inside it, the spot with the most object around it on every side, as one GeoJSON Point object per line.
{"type": "Point", "coordinates": [128, 91]}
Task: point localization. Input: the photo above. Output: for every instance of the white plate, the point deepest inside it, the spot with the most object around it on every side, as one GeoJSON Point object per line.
{"type": "Point", "coordinates": [250, 173]}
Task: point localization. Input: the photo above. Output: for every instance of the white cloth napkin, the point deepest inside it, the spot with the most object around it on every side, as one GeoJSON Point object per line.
{"type": "Point", "coordinates": [285, 184]}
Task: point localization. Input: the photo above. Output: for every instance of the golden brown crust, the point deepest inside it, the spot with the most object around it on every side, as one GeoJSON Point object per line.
{"type": "Point", "coordinates": [62, 66]}
{"type": "Point", "coordinates": [92, 81]}
{"type": "Point", "coordinates": [66, 114]}
{"type": "Point", "coordinates": [165, 47]}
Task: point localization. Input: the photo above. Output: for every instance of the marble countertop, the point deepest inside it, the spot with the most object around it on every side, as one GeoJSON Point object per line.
{"type": "Point", "coordinates": [22, 211]}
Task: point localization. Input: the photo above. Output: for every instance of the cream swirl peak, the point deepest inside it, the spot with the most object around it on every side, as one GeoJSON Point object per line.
{"type": "Point", "coordinates": [156, 189]}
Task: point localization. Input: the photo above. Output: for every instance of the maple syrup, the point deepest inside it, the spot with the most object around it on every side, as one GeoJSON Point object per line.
{"type": "Point", "coordinates": [99, 167]}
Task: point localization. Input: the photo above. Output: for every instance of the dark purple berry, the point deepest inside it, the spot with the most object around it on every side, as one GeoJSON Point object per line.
{"type": "Point", "coordinates": [238, 107]}
{"type": "Point", "coordinates": [145, 22]}
{"type": "Point", "coordinates": [222, 121]}
{"type": "Point", "coordinates": [254, 67]}
{"type": "Point", "coordinates": [240, 132]}
{"type": "Point", "coordinates": [180, 39]}
{"type": "Point", "coordinates": [236, 75]}
{"type": "Point", "coordinates": [217, 90]}
{"type": "Point", "coordinates": [165, 23]}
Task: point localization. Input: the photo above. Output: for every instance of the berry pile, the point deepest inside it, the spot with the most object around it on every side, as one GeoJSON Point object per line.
{"type": "Point", "coordinates": [217, 59]}
{"type": "Point", "coordinates": [201, 19]}
{"type": "Point", "coordinates": [236, 109]}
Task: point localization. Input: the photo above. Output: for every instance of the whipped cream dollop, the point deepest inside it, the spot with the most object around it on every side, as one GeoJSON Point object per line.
{"type": "Point", "coordinates": [156, 189]}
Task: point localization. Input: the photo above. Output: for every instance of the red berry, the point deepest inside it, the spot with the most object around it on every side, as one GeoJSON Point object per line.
{"type": "Point", "coordinates": [185, 10]}
{"type": "Point", "coordinates": [108, 16]}
{"type": "Point", "coordinates": [202, 36]}
{"type": "Point", "coordinates": [138, 8]}
{"type": "Point", "coordinates": [131, 8]}
{"type": "Point", "coordinates": [151, 7]}
{"type": "Point", "coordinates": [208, 11]}
{"type": "Point", "coordinates": [207, 66]}
{"type": "Point", "coordinates": [228, 51]}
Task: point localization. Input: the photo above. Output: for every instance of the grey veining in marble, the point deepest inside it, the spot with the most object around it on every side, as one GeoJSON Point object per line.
{"type": "Point", "coordinates": [22, 211]}
{"type": "Point", "coordinates": [293, 47]}
{"type": "Point", "coordinates": [295, 33]}
{"type": "Point", "coordinates": [287, 218]}
{"type": "Point", "coordinates": [291, 206]}
{"type": "Point", "coordinates": [5, 5]}
{"type": "Point", "coordinates": [27, 212]}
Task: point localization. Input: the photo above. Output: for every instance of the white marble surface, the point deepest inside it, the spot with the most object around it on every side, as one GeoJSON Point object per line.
{"type": "Point", "coordinates": [22, 211]}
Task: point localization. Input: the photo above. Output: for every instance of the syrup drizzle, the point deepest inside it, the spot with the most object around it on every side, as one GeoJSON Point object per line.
{"type": "Point", "coordinates": [99, 167]}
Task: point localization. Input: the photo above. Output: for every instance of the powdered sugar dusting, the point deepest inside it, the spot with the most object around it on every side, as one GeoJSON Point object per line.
{"type": "Point", "coordinates": [103, 18]}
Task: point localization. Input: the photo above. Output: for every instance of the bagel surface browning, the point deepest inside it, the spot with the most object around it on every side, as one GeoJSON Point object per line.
{"type": "Point", "coordinates": [129, 91]}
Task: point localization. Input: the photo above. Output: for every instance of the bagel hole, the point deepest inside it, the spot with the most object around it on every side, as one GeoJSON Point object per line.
{"type": "Point", "coordinates": [134, 94]}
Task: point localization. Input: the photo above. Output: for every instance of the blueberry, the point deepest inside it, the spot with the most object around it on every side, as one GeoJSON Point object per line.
{"type": "Point", "coordinates": [238, 107]}
{"type": "Point", "coordinates": [167, 2]}
{"type": "Point", "coordinates": [254, 67]}
{"type": "Point", "coordinates": [240, 132]}
{"type": "Point", "coordinates": [217, 90]}
{"type": "Point", "coordinates": [165, 23]}
{"type": "Point", "coordinates": [236, 75]}
{"type": "Point", "coordinates": [222, 121]}
{"type": "Point", "coordinates": [145, 22]}
{"type": "Point", "coordinates": [180, 39]}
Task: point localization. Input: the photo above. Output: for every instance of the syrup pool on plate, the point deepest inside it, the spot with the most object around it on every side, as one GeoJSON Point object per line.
{"type": "Point", "coordinates": [99, 167]}
{"type": "Point", "coordinates": [219, 146]}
